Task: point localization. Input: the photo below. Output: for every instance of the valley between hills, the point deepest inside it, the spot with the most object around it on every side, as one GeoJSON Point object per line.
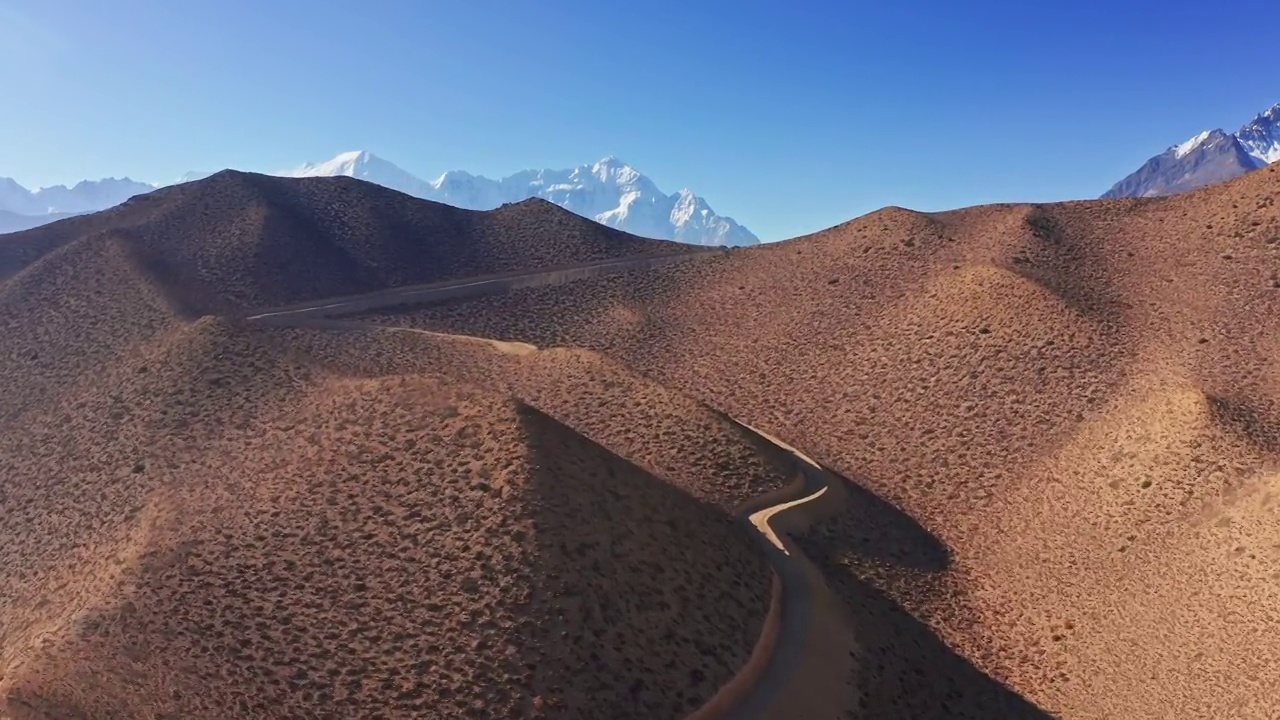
{"type": "Point", "coordinates": [309, 447]}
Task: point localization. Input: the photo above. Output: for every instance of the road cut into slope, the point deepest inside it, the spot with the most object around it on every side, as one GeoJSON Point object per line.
{"type": "Point", "coordinates": [802, 661]}
{"type": "Point", "coordinates": [471, 287]}
{"type": "Point", "coordinates": [799, 666]}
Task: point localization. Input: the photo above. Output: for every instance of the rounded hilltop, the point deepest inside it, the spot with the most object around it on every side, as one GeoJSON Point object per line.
{"type": "Point", "coordinates": [1072, 399]}
{"type": "Point", "coordinates": [1055, 428]}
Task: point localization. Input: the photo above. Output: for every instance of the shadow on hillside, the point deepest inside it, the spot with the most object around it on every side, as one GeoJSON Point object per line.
{"type": "Point", "coordinates": [1252, 419]}
{"type": "Point", "coordinates": [870, 526]}
{"type": "Point", "coordinates": [645, 600]}
{"type": "Point", "coordinates": [1066, 265]}
{"type": "Point", "coordinates": [904, 668]}
{"type": "Point", "coordinates": [876, 529]}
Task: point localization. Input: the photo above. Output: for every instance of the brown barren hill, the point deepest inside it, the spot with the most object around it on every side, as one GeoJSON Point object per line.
{"type": "Point", "coordinates": [1061, 420]}
{"type": "Point", "coordinates": [235, 241]}
{"type": "Point", "coordinates": [1057, 428]}
{"type": "Point", "coordinates": [76, 293]}
{"type": "Point", "coordinates": [299, 544]}
{"type": "Point", "coordinates": [200, 518]}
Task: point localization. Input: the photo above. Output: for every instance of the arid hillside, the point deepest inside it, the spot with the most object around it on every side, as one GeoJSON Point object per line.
{"type": "Point", "coordinates": [200, 518]}
{"type": "Point", "coordinates": [265, 523]}
{"type": "Point", "coordinates": [236, 241]}
{"type": "Point", "coordinates": [1077, 405]}
{"type": "Point", "coordinates": [76, 293]}
{"type": "Point", "coordinates": [1057, 428]}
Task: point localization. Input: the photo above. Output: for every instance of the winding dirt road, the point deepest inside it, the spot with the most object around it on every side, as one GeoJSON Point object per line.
{"type": "Point", "coordinates": [800, 666]}
{"type": "Point", "coordinates": [802, 662]}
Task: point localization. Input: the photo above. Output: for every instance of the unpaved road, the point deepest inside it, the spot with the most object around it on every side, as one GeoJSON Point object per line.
{"type": "Point", "coordinates": [799, 669]}
{"type": "Point", "coordinates": [473, 287]}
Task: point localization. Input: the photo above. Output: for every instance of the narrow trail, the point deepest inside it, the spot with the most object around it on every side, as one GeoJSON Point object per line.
{"type": "Point", "coordinates": [800, 665]}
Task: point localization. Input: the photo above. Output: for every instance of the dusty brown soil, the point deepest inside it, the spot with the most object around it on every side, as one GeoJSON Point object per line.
{"type": "Point", "coordinates": [237, 241]}
{"type": "Point", "coordinates": [237, 533]}
{"type": "Point", "coordinates": [199, 519]}
{"type": "Point", "coordinates": [1073, 409]}
{"type": "Point", "coordinates": [1060, 427]}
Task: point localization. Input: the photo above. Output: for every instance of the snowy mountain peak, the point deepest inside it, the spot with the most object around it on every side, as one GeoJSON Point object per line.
{"type": "Point", "coordinates": [16, 199]}
{"type": "Point", "coordinates": [453, 176]}
{"type": "Point", "coordinates": [1192, 144]}
{"type": "Point", "coordinates": [1271, 114]}
{"type": "Point", "coordinates": [348, 163]}
{"type": "Point", "coordinates": [364, 165]}
{"type": "Point", "coordinates": [1209, 157]}
{"type": "Point", "coordinates": [609, 191]}
{"type": "Point", "coordinates": [1261, 136]}
{"type": "Point", "coordinates": [193, 176]}
{"type": "Point", "coordinates": [85, 196]}
{"type": "Point", "coordinates": [610, 165]}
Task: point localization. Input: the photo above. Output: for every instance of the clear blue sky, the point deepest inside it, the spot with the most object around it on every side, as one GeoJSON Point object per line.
{"type": "Point", "coordinates": [788, 116]}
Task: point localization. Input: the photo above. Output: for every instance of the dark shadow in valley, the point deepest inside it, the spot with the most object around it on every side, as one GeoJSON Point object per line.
{"type": "Point", "coordinates": [904, 670]}
{"type": "Point", "coordinates": [877, 530]}
{"type": "Point", "coordinates": [644, 600]}
{"type": "Point", "coordinates": [1256, 420]}
{"type": "Point", "coordinates": [1067, 265]}
{"type": "Point", "coordinates": [873, 557]}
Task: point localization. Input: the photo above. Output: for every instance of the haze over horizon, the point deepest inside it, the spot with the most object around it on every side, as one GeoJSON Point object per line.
{"type": "Point", "coordinates": [787, 121]}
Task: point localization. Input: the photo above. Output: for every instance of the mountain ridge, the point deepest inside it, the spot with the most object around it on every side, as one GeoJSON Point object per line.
{"type": "Point", "coordinates": [609, 191]}
{"type": "Point", "coordinates": [1209, 157]}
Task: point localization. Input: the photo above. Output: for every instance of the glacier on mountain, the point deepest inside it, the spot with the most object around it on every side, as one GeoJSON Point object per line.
{"type": "Point", "coordinates": [1261, 137]}
{"type": "Point", "coordinates": [1192, 144]}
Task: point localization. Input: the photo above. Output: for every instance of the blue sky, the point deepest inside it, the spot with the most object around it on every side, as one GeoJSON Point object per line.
{"type": "Point", "coordinates": [790, 117]}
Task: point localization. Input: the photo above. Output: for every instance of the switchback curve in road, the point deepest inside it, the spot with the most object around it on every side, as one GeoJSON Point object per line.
{"type": "Point", "coordinates": [799, 667]}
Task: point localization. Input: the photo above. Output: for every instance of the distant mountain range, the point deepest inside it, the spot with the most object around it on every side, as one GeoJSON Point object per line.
{"type": "Point", "coordinates": [1209, 157]}
{"type": "Point", "coordinates": [21, 208]}
{"type": "Point", "coordinates": [610, 192]}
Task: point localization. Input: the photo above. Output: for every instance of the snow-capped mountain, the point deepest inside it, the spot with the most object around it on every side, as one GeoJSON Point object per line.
{"type": "Point", "coordinates": [89, 195]}
{"type": "Point", "coordinates": [1261, 137]}
{"type": "Point", "coordinates": [1209, 157]}
{"type": "Point", "coordinates": [364, 166]}
{"type": "Point", "coordinates": [610, 192]}
{"type": "Point", "coordinates": [16, 199]}
{"type": "Point", "coordinates": [59, 201]}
